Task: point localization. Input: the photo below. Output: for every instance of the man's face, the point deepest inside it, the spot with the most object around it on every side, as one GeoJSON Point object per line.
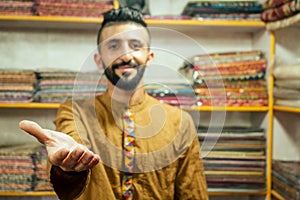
{"type": "Point", "coordinates": [125, 53]}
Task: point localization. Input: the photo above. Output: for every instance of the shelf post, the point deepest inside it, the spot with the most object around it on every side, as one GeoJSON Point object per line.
{"type": "Point", "coordinates": [116, 4]}
{"type": "Point", "coordinates": [270, 115]}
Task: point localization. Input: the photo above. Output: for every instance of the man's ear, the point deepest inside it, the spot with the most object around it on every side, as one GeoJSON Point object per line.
{"type": "Point", "coordinates": [98, 61]}
{"type": "Point", "coordinates": [150, 57]}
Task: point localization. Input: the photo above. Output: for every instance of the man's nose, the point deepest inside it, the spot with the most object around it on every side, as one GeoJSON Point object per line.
{"type": "Point", "coordinates": [126, 54]}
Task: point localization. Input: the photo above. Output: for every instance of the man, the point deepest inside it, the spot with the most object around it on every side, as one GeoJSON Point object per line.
{"type": "Point", "coordinates": [123, 144]}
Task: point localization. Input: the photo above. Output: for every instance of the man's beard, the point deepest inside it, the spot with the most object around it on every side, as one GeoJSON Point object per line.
{"type": "Point", "coordinates": [124, 83]}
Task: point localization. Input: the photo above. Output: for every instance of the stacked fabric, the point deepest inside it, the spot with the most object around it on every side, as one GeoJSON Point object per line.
{"type": "Point", "coordinates": [16, 7]}
{"type": "Point", "coordinates": [74, 8]}
{"type": "Point", "coordinates": [228, 9]}
{"type": "Point", "coordinates": [56, 86]}
{"type": "Point", "coordinates": [17, 85]}
{"type": "Point", "coordinates": [17, 169]}
{"type": "Point", "coordinates": [287, 85]}
{"type": "Point", "coordinates": [277, 10]}
{"type": "Point", "coordinates": [233, 159]}
{"type": "Point", "coordinates": [229, 78]}
{"type": "Point", "coordinates": [180, 95]}
{"type": "Point", "coordinates": [286, 178]}
{"type": "Point", "coordinates": [41, 181]}
{"type": "Point", "coordinates": [23, 168]}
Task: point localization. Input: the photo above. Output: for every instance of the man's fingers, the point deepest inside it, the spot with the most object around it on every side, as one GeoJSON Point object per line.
{"type": "Point", "coordinates": [59, 156]}
{"type": "Point", "coordinates": [87, 161]}
{"type": "Point", "coordinates": [63, 150]}
{"type": "Point", "coordinates": [35, 130]}
{"type": "Point", "coordinates": [73, 158]}
{"type": "Point", "coordinates": [94, 161]}
{"type": "Point", "coordinates": [82, 164]}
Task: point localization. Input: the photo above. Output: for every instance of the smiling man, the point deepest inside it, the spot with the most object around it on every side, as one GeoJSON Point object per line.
{"type": "Point", "coordinates": [125, 50]}
{"type": "Point", "coordinates": [123, 144]}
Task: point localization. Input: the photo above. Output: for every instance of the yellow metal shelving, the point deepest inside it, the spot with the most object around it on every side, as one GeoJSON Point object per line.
{"type": "Point", "coordinates": [27, 194]}
{"type": "Point", "coordinates": [286, 109]}
{"type": "Point", "coordinates": [277, 195]}
{"type": "Point", "coordinates": [65, 19]}
{"type": "Point", "coordinates": [73, 22]}
{"type": "Point", "coordinates": [50, 193]}
{"type": "Point", "coordinates": [201, 108]}
{"type": "Point", "coordinates": [30, 105]}
{"type": "Point", "coordinates": [86, 23]}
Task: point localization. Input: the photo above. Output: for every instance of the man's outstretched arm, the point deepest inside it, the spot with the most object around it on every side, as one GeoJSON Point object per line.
{"type": "Point", "coordinates": [70, 160]}
{"type": "Point", "coordinates": [63, 150]}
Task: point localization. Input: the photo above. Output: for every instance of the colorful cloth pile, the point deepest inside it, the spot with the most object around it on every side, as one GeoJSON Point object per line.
{"type": "Point", "coordinates": [23, 168]}
{"type": "Point", "coordinates": [41, 181]}
{"type": "Point", "coordinates": [16, 7]}
{"type": "Point", "coordinates": [286, 178]}
{"type": "Point", "coordinates": [279, 9]}
{"type": "Point", "coordinates": [85, 8]}
{"type": "Point", "coordinates": [180, 95]}
{"type": "Point", "coordinates": [234, 159]}
{"type": "Point", "coordinates": [56, 86]}
{"type": "Point", "coordinates": [280, 13]}
{"type": "Point", "coordinates": [17, 85]}
{"type": "Point", "coordinates": [287, 85]}
{"type": "Point", "coordinates": [229, 78]}
{"type": "Point", "coordinates": [17, 168]}
{"type": "Point", "coordinates": [228, 10]}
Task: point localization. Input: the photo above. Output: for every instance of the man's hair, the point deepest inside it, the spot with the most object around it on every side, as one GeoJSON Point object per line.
{"type": "Point", "coordinates": [121, 15]}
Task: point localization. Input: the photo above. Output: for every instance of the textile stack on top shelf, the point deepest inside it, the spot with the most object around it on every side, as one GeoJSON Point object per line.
{"type": "Point", "coordinates": [234, 159]}
{"type": "Point", "coordinates": [176, 94]}
{"type": "Point", "coordinates": [280, 13]}
{"type": "Point", "coordinates": [286, 178]}
{"type": "Point", "coordinates": [228, 78]}
{"type": "Point", "coordinates": [56, 86]}
{"type": "Point", "coordinates": [73, 8]}
{"type": "Point", "coordinates": [286, 91]}
{"type": "Point", "coordinates": [16, 7]}
{"type": "Point", "coordinates": [17, 169]}
{"type": "Point", "coordinates": [16, 85]}
{"type": "Point", "coordinates": [224, 9]}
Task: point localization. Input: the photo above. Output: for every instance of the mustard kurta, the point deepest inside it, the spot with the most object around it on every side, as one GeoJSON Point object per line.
{"type": "Point", "coordinates": [168, 163]}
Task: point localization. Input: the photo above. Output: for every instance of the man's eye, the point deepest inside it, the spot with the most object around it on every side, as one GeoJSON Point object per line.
{"type": "Point", "coordinates": [136, 45]}
{"type": "Point", "coordinates": [113, 46]}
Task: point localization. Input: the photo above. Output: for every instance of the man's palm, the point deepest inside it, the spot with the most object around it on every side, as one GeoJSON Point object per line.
{"type": "Point", "coordinates": [63, 150]}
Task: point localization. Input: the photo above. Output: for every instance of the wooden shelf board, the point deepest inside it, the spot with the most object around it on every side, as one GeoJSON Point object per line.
{"type": "Point", "coordinates": [277, 195]}
{"type": "Point", "coordinates": [14, 193]}
{"type": "Point", "coordinates": [286, 109]}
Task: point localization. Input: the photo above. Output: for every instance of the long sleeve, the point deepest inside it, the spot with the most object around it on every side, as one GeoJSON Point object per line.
{"type": "Point", "coordinates": [67, 185]}
{"type": "Point", "coordinates": [190, 180]}
{"type": "Point", "coordinates": [80, 121]}
{"type": "Point", "coordinates": [64, 182]}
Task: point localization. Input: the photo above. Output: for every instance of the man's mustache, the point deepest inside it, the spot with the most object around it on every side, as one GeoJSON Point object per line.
{"type": "Point", "coordinates": [130, 63]}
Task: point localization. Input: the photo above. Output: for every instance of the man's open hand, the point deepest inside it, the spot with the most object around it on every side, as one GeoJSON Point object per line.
{"type": "Point", "coordinates": [63, 150]}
